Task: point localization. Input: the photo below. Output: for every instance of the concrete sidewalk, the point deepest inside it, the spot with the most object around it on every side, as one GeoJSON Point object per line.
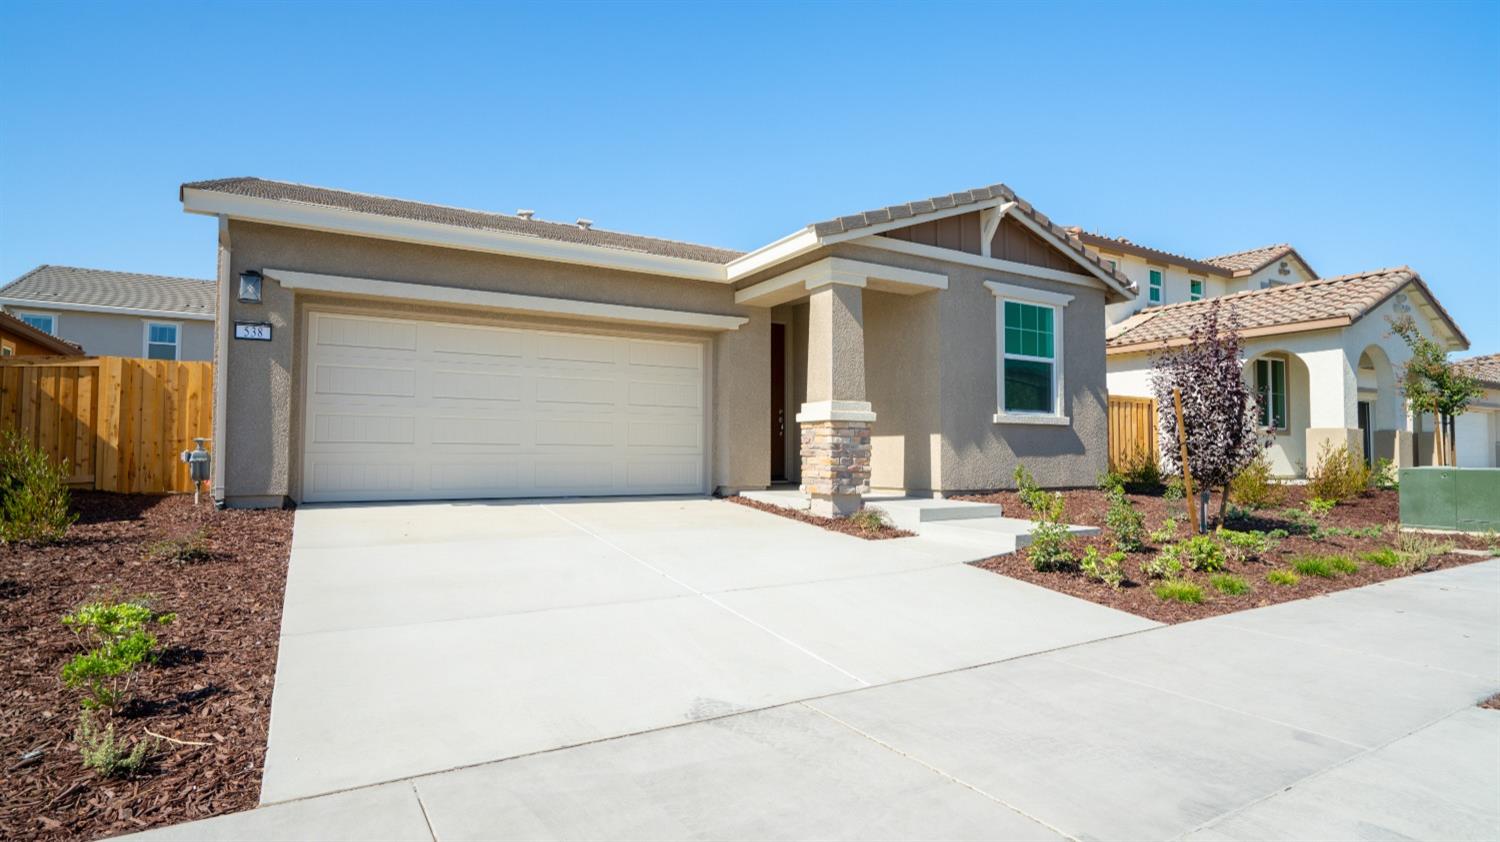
{"type": "Point", "coordinates": [1346, 716]}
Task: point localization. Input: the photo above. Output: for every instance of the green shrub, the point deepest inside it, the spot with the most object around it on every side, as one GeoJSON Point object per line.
{"type": "Point", "coordinates": [1286, 578]}
{"type": "Point", "coordinates": [33, 494]}
{"type": "Point", "coordinates": [1141, 473]}
{"type": "Point", "coordinates": [1353, 531]}
{"type": "Point", "coordinates": [1385, 557]}
{"type": "Point", "coordinates": [1385, 476]}
{"type": "Point", "coordinates": [1246, 546]}
{"type": "Point", "coordinates": [1339, 474]}
{"type": "Point", "coordinates": [1125, 521]}
{"type": "Point", "coordinates": [1202, 553]}
{"type": "Point", "coordinates": [1227, 584]}
{"type": "Point", "coordinates": [1177, 590]}
{"type": "Point", "coordinates": [1165, 565]}
{"type": "Point", "coordinates": [1030, 493]}
{"type": "Point", "coordinates": [1324, 566]}
{"type": "Point", "coordinates": [1048, 550]}
{"type": "Point", "coordinates": [194, 548]}
{"type": "Point", "coordinates": [868, 520]}
{"type": "Point", "coordinates": [1319, 506]}
{"type": "Point", "coordinates": [1417, 550]}
{"type": "Point", "coordinates": [1103, 568]}
{"type": "Point", "coordinates": [1164, 533]}
{"type": "Point", "coordinates": [1278, 534]}
{"type": "Point", "coordinates": [1256, 487]}
{"type": "Point", "coordinates": [103, 754]}
{"type": "Point", "coordinates": [1175, 489]}
{"type": "Point", "coordinates": [117, 633]}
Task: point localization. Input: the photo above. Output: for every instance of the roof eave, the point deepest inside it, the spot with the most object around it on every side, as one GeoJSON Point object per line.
{"type": "Point", "coordinates": [1245, 333]}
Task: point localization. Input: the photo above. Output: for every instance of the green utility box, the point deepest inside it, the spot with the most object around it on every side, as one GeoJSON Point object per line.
{"type": "Point", "coordinates": [1464, 499]}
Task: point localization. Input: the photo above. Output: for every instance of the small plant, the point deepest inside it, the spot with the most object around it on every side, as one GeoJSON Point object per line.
{"type": "Point", "coordinates": [1384, 475]}
{"type": "Point", "coordinates": [868, 520]}
{"type": "Point", "coordinates": [1177, 590]}
{"type": "Point", "coordinates": [1339, 474]}
{"type": "Point", "coordinates": [1417, 550]}
{"type": "Point", "coordinates": [1164, 533]}
{"type": "Point", "coordinates": [102, 753]}
{"type": "Point", "coordinates": [1165, 565]}
{"type": "Point", "coordinates": [194, 548]}
{"type": "Point", "coordinates": [1491, 540]}
{"type": "Point", "coordinates": [1174, 490]}
{"type": "Point", "coordinates": [1246, 546]}
{"type": "Point", "coordinates": [1125, 521]}
{"type": "Point", "coordinates": [1227, 584]}
{"type": "Point", "coordinates": [117, 633]}
{"type": "Point", "coordinates": [33, 494]}
{"type": "Point", "coordinates": [1278, 534]}
{"type": "Point", "coordinates": [1048, 550]}
{"type": "Point", "coordinates": [1141, 473]}
{"type": "Point", "coordinates": [1256, 487]}
{"type": "Point", "coordinates": [1103, 568]}
{"type": "Point", "coordinates": [1319, 506]}
{"type": "Point", "coordinates": [1284, 578]}
{"type": "Point", "coordinates": [1202, 553]}
{"type": "Point", "coordinates": [1030, 493]}
{"type": "Point", "coordinates": [1384, 557]}
{"type": "Point", "coordinates": [1324, 566]}
{"type": "Point", "coordinates": [1353, 531]}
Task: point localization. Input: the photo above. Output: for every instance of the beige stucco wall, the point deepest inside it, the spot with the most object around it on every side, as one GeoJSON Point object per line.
{"type": "Point", "coordinates": [902, 353]}
{"type": "Point", "coordinates": [263, 379]}
{"type": "Point", "coordinates": [123, 335]}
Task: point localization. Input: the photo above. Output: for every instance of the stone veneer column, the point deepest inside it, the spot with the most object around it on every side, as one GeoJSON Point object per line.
{"type": "Point", "coordinates": [836, 419]}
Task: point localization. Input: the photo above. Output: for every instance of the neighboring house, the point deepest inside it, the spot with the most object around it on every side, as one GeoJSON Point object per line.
{"type": "Point", "coordinates": [19, 339]}
{"type": "Point", "coordinates": [1476, 434]}
{"type": "Point", "coordinates": [117, 314]}
{"type": "Point", "coordinates": [400, 350]}
{"type": "Point", "coordinates": [1319, 351]}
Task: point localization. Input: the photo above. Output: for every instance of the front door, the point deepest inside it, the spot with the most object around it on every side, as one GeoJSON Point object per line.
{"type": "Point", "coordinates": [1366, 433]}
{"type": "Point", "coordinates": [778, 402]}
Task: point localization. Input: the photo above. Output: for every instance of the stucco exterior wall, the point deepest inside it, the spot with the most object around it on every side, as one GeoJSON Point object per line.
{"type": "Point", "coordinates": [263, 380]}
{"type": "Point", "coordinates": [123, 335]}
{"type": "Point", "coordinates": [904, 362]}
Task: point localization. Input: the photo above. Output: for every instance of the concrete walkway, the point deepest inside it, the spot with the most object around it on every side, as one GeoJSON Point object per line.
{"type": "Point", "coordinates": [1349, 716]}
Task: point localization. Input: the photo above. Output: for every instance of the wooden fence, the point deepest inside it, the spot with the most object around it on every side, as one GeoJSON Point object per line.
{"type": "Point", "coordinates": [1132, 430]}
{"type": "Point", "coordinates": [120, 423]}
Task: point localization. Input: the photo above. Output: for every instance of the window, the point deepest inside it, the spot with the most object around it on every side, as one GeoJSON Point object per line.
{"type": "Point", "coordinates": [1153, 295]}
{"type": "Point", "coordinates": [1029, 370]}
{"type": "Point", "coordinates": [161, 341]}
{"type": "Point", "coordinates": [44, 322]}
{"type": "Point", "coordinates": [1195, 289]}
{"type": "Point", "coordinates": [1270, 386]}
{"type": "Point", "coordinates": [7, 349]}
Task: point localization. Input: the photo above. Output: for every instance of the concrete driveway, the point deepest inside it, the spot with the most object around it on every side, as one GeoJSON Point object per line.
{"type": "Point", "coordinates": [424, 637]}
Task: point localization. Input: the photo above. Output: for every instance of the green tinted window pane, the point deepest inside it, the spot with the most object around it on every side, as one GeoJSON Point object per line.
{"type": "Point", "coordinates": [1044, 348]}
{"type": "Point", "coordinates": [1012, 340]}
{"type": "Point", "coordinates": [1028, 386]}
{"type": "Point", "coordinates": [1012, 314]}
{"type": "Point", "coordinates": [1278, 376]}
{"type": "Point", "coordinates": [1028, 347]}
{"type": "Point", "coordinates": [1044, 316]}
{"type": "Point", "coordinates": [1028, 318]}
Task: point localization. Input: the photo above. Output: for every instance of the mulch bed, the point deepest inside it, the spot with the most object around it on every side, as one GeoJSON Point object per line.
{"type": "Point", "coordinates": [1493, 702]}
{"type": "Point", "coordinates": [833, 524]}
{"type": "Point", "coordinates": [1087, 507]}
{"type": "Point", "coordinates": [211, 685]}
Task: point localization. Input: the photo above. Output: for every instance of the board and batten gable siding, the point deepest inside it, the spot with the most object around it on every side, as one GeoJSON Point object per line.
{"type": "Point", "coordinates": [265, 380]}
{"type": "Point", "coordinates": [1013, 240]}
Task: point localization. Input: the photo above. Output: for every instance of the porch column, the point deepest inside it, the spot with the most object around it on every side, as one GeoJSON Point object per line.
{"type": "Point", "coordinates": [835, 421]}
{"type": "Point", "coordinates": [1333, 401]}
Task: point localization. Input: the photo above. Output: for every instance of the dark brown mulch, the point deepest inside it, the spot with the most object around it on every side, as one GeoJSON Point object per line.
{"type": "Point", "coordinates": [1087, 507]}
{"type": "Point", "coordinates": [833, 524]}
{"type": "Point", "coordinates": [1493, 702]}
{"type": "Point", "coordinates": [211, 685]}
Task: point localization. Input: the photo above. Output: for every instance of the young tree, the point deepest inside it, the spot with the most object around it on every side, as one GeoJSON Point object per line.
{"type": "Point", "coordinates": [1433, 385]}
{"type": "Point", "coordinates": [1218, 406]}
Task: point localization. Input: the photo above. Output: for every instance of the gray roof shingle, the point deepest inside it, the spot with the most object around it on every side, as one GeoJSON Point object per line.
{"type": "Point", "coordinates": [102, 288]}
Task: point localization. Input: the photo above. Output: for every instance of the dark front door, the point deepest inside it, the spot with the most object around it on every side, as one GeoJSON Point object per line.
{"type": "Point", "coordinates": [1367, 432]}
{"type": "Point", "coordinates": [778, 402]}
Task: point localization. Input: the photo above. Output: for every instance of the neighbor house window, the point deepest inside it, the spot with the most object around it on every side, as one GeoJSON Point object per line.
{"type": "Point", "coordinates": [7, 349]}
{"type": "Point", "coordinates": [161, 341]}
{"type": "Point", "coordinates": [1153, 295]}
{"type": "Point", "coordinates": [1030, 352]}
{"type": "Point", "coordinates": [44, 322]}
{"type": "Point", "coordinates": [1195, 289]}
{"type": "Point", "coordinates": [1270, 386]}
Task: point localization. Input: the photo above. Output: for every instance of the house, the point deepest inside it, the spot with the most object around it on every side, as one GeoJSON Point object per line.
{"type": "Point", "coordinates": [1319, 351]}
{"type": "Point", "coordinates": [1476, 433]}
{"type": "Point", "coordinates": [19, 339]}
{"type": "Point", "coordinates": [116, 314]}
{"type": "Point", "coordinates": [382, 349]}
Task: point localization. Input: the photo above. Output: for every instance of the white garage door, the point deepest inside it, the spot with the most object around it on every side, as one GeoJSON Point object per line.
{"type": "Point", "coordinates": [399, 409]}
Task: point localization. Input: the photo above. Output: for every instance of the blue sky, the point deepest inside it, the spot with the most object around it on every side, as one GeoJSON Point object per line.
{"type": "Point", "coordinates": [1367, 135]}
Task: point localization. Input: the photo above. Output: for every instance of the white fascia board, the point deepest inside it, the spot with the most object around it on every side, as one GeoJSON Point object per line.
{"type": "Point", "coordinates": [503, 301]}
{"type": "Point", "coordinates": [992, 263]}
{"type": "Point", "coordinates": [792, 245]}
{"type": "Point", "coordinates": [1019, 293]}
{"type": "Point", "coordinates": [791, 285]}
{"type": "Point", "coordinates": [342, 221]}
{"type": "Point", "coordinates": [32, 304]}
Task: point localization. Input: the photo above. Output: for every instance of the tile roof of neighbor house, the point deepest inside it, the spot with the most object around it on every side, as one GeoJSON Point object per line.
{"type": "Point", "coordinates": [39, 337]}
{"type": "Point", "coordinates": [1485, 369]}
{"type": "Point", "coordinates": [1253, 260]}
{"type": "Point", "coordinates": [102, 288]}
{"type": "Point", "coordinates": [442, 214]}
{"type": "Point", "coordinates": [1278, 309]}
{"type": "Point", "coordinates": [892, 213]}
{"type": "Point", "coordinates": [1122, 244]}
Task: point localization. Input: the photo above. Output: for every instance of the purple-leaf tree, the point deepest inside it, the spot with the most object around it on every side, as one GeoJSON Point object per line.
{"type": "Point", "coordinates": [1219, 408]}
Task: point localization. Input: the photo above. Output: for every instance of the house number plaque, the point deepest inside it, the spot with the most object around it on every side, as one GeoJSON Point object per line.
{"type": "Point", "coordinates": [257, 331]}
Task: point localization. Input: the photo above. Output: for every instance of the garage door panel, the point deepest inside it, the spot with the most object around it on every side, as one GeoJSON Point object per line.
{"type": "Point", "coordinates": [410, 409]}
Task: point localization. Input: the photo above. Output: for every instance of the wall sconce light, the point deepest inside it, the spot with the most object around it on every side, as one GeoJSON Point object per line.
{"type": "Point", "coordinates": [250, 287]}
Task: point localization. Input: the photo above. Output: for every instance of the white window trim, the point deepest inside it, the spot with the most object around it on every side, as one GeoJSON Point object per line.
{"type": "Point", "coordinates": [146, 342]}
{"type": "Point", "coordinates": [22, 314]}
{"type": "Point", "coordinates": [1162, 299]}
{"type": "Point", "coordinates": [1041, 298]}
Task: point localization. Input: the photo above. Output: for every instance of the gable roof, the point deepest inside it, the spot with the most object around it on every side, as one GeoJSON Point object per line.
{"type": "Point", "coordinates": [285, 191]}
{"type": "Point", "coordinates": [1485, 369]}
{"type": "Point", "coordinates": [1126, 246]}
{"type": "Point", "coordinates": [1248, 262]}
{"type": "Point", "coordinates": [1287, 308]}
{"type": "Point", "coordinates": [16, 327]}
{"type": "Point", "coordinates": [62, 286]}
